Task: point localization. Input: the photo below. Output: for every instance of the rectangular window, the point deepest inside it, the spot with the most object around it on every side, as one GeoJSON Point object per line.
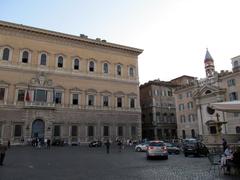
{"type": "Point", "coordinates": [56, 132]}
{"type": "Point", "coordinates": [58, 98]}
{"type": "Point", "coordinates": [21, 95]}
{"type": "Point", "coordinates": [159, 133]}
{"type": "Point", "coordinates": [158, 117]}
{"type": "Point", "coordinates": [18, 130]}
{"type": "Point", "coordinates": [74, 131]}
{"type": "Point", "coordinates": [119, 102]}
{"type": "Point", "coordinates": [189, 94]}
{"type": "Point", "coordinates": [75, 99]}
{"type": "Point", "coordinates": [180, 96]}
{"type": "Point", "coordinates": [190, 105]}
{"type": "Point", "coordinates": [233, 96]}
{"type": "Point", "coordinates": [236, 114]}
{"type": "Point", "coordinates": [105, 101]}
{"type": "Point", "coordinates": [40, 95]}
{"type": "Point", "coordinates": [231, 82]}
{"type": "Point", "coordinates": [120, 131]}
{"type": "Point", "coordinates": [105, 131]}
{"type": "Point", "coordinates": [213, 130]}
{"type": "Point", "coordinates": [181, 107]}
{"type": "Point", "coordinates": [182, 117]}
{"type": "Point", "coordinates": [169, 93]}
{"type": "Point", "coordinates": [90, 131]}
{"type": "Point", "coordinates": [133, 131]}
{"type": "Point", "coordinates": [132, 103]}
{"type": "Point", "coordinates": [2, 92]}
{"type": "Point", "coordinates": [90, 100]}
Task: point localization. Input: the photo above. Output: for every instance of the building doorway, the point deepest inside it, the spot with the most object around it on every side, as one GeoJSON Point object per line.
{"type": "Point", "coordinates": [38, 128]}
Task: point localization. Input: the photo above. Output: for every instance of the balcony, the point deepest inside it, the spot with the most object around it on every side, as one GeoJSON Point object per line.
{"type": "Point", "coordinates": [40, 105]}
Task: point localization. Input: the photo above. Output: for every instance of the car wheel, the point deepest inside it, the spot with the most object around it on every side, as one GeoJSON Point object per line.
{"type": "Point", "coordinates": [185, 154]}
{"type": "Point", "coordinates": [166, 157]}
{"type": "Point", "coordinates": [138, 149]}
{"type": "Point", "coordinates": [148, 157]}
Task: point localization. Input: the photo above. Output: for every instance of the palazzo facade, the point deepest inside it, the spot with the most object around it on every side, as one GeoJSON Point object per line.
{"type": "Point", "coordinates": [61, 86]}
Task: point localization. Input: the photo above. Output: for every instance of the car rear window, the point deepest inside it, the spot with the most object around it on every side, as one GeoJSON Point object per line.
{"type": "Point", "coordinates": [156, 144]}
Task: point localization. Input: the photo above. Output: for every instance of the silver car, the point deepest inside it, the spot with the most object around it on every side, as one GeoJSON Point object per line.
{"type": "Point", "coordinates": [157, 149]}
{"type": "Point", "coordinates": [141, 147]}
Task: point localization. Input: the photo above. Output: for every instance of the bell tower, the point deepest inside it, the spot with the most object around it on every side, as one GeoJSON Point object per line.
{"type": "Point", "coordinates": [209, 65]}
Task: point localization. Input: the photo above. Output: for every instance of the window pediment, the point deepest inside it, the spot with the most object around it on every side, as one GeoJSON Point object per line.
{"type": "Point", "coordinates": [21, 85]}
{"type": "Point", "coordinates": [3, 83]}
{"type": "Point", "coordinates": [119, 93]}
{"type": "Point", "coordinates": [91, 91]}
{"type": "Point", "coordinates": [106, 92]}
{"type": "Point", "coordinates": [75, 89]}
{"type": "Point", "coordinates": [132, 94]}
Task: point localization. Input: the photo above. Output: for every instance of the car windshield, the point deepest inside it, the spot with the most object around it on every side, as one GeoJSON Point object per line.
{"type": "Point", "coordinates": [158, 144]}
{"type": "Point", "coordinates": [168, 144]}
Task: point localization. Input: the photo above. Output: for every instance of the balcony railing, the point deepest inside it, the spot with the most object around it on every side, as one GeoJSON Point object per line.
{"type": "Point", "coordinates": [43, 105]}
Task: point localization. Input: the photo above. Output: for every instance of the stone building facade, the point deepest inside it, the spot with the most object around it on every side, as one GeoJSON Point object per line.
{"type": "Point", "coordinates": [209, 124]}
{"type": "Point", "coordinates": [158, 110]}
{"type": "Point", "coordinates": [61, 86]}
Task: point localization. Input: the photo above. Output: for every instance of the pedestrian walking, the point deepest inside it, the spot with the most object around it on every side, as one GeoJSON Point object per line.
{"type": "Point", "coordinates": [3, 150]}
{"type": "Point", "coordinates": [107, 146]}
{"type": "Point", "coordinates": [48, 143]}
{"type": "Point", "coordinates": [119, 145]}
{"type": "Point", "coordinates": [9, 144]}
{"type": "Point", "coordinates": [224, 144]}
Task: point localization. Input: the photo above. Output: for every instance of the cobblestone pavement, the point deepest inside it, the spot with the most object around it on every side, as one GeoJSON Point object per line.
{"type": "Point", "coordinates": [82, 162]}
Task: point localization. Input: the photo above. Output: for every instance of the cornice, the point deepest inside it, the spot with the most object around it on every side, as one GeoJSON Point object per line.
{"type": "Point", "coordinates": [64, 37]}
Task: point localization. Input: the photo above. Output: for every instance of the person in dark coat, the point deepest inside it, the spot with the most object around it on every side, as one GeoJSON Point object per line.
{"type": "Point", "coordinates": [224, 144]}
{"type": "Point", "coordinates": [107, 146]}
{"type": "Point", "coordinates": [48, 143]}
{"type": "Point", "coordinates": [3, 150]}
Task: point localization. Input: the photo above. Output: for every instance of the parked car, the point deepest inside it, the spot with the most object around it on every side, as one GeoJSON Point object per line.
{"type": "Point", "coordinates": [157, 149]}
{"type": "Point", "coordinates": [172, 148]}
{"type": "Point", "coordinates": [141, 147]}
{"type": "Point", "coordinates": [195, 148]}
{"type": "Point", "coordinates": [95, 144]}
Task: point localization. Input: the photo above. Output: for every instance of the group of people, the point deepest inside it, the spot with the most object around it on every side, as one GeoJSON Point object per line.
{"type": "Point", "coordinates": [230, 158]}
{"type": "Point", "coordinates": [37, 142]}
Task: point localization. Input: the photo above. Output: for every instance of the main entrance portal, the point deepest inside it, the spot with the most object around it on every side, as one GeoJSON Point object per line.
{"type": "Point", "coordinates": [38, 127]}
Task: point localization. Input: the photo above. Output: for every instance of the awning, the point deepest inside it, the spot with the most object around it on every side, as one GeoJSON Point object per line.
{"type": "Point", "coordinates": [228, 106]}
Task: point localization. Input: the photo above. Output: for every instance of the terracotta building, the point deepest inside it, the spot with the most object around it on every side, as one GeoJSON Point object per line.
{"type": "Point", "coordinates": [61, 86]}
{"type": "Point", "coordinates": [158, 110]}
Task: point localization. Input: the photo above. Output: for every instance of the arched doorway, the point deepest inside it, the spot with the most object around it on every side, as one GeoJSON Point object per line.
{"type": "Point", "coordinates": [38, 128]}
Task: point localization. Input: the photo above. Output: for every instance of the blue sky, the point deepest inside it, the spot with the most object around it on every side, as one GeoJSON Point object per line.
{"type": "Point", "coordinates": [173, 33]}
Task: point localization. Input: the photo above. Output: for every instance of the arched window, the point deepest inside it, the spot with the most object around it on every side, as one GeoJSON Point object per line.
{"type": "Point", "coordinates": [131, 72]}
{"type": "Point", "coordinates": [91, 66]}
{"type": "Point", "coordinates": [6, 54]}
{"type": "Point", "coordinates": [238, 129]}
{"type": "Point", "coordinates": [60, 62]}
{"type": "Point", "coordinates": [183, 134]}
{"type": "Point", "coordinates": [25, 57]}
{"type": "Point", "coordinates": [76, 64]}
{"type": "Point", "coordinates": [193, 133]}
{"type": "Point", "coordinates": [43, 59]}
{"type": "Point", "coordinates": [119, 70]}
{"type": "Point", "coordinates": [105, 68]}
